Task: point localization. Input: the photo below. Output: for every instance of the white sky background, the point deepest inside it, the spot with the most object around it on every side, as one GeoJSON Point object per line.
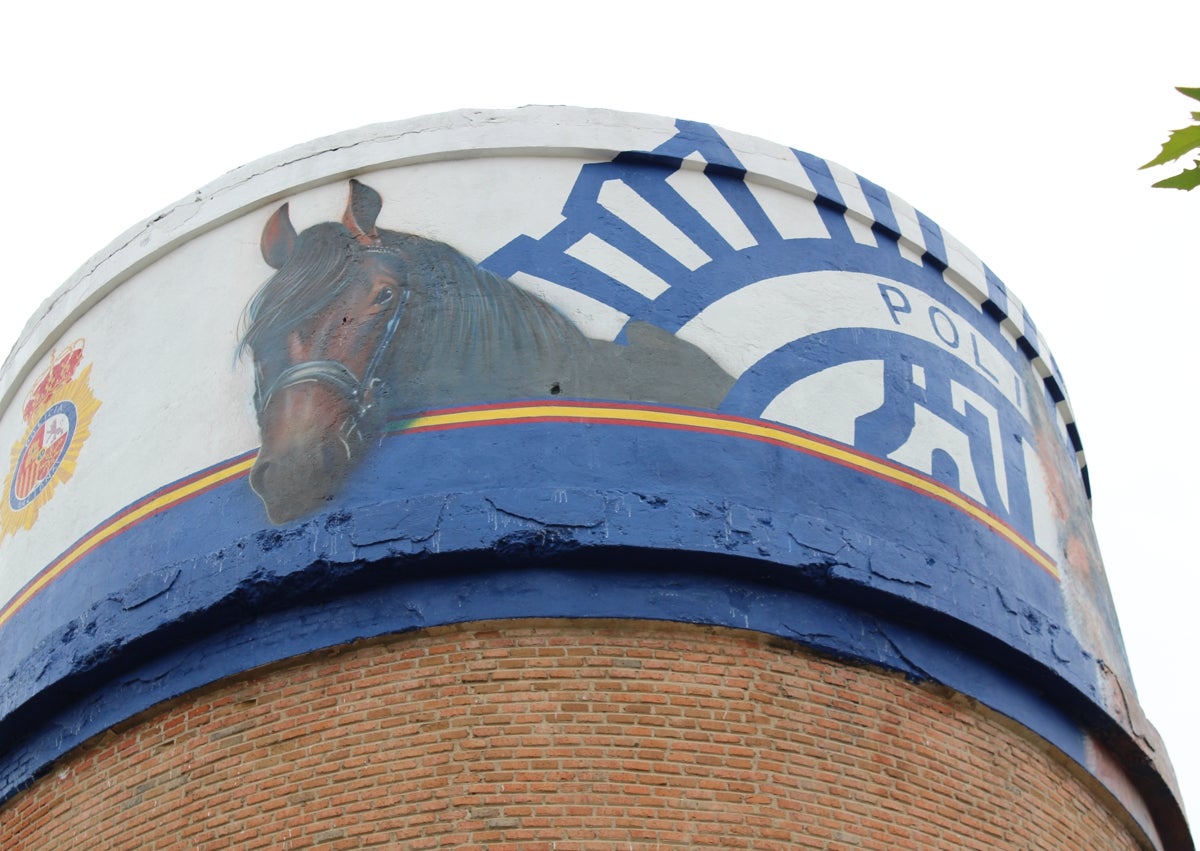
{"type": "Point", "coordinates": [1017, 127]}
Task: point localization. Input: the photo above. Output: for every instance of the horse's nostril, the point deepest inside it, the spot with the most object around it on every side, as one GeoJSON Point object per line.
{"type": "Point", "coordinates": [258, 475]}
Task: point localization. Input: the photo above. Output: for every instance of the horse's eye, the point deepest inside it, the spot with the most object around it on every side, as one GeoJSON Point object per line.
{"type": "Point", "coordinates": [385, 295]}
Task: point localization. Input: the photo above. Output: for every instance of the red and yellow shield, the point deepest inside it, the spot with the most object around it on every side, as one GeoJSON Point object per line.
{"type": "Point", "coordinates": [58, 412]}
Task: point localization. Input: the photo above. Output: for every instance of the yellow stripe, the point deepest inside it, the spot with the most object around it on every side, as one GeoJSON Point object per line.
{"type": "Point", "coordinates": [581, 413]}
{"type": "Point", "coordinates": [110, 530]}
{"type": "Point", "coordinates": [842, 455]}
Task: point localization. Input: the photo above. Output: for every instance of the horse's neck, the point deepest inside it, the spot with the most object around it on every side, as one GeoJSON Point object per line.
{"type": "Point", "coordinates": [482, 339]}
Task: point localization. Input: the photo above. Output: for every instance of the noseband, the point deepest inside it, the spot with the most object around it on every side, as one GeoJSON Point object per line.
{"type": "Point", "coordinates": [360, 393]}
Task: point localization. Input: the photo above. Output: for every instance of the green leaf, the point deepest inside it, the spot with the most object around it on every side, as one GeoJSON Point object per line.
{"type": "Point", "coordinates": [1193, 93]}
{"type": "Point", "coordinates": [1187, 179]}
{"type": "Point", "coordinates": [1180, 142]}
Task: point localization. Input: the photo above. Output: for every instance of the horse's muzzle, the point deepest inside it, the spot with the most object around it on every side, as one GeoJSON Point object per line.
{"type": "Point", "coordinates": [296, 483]}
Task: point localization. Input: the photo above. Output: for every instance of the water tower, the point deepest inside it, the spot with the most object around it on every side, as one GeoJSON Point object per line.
{"type": "Point", "coordinates": [554, 478]}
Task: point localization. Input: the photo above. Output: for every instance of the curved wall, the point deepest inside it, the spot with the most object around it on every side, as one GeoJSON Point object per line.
{"type": "Point", "coordinates": [569, 734]}
{"type": "Point", "coordinates": [549, 363]}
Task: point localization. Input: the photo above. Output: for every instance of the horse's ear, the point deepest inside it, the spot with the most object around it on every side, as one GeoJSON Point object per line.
{"type": "Point", "coordinates": [278, 238]}
{"type": "Point", "coordinates": [361, 212]}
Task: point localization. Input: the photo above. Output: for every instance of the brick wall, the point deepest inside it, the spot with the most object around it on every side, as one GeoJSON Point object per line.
{"type": "Point", "coordinates": [565, 735]}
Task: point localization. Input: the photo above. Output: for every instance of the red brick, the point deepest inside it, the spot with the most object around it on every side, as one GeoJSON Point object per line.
{"type": "Point", "coordinates": [576, 735]}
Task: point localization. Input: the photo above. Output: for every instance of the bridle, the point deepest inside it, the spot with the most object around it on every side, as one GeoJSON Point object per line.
{"type": "Point", "coordinates": [360, 393]}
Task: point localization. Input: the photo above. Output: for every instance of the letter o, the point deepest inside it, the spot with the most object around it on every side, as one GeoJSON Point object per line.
{"type": "Point", "coordinates": [951, 341]}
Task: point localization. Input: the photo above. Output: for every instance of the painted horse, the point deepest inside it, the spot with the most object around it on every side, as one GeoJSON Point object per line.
{"type": "Point", "coordinates": [358, 323]}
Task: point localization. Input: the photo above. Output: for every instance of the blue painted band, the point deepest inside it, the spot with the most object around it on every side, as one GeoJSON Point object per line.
{"type": "Point", "coordinates": [307, 612]}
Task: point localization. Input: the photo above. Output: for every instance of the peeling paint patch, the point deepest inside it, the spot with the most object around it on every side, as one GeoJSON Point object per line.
{"type": "Point", "coordinates": [409, 520]}
{"type": "Point", "coordinates": [558, 507]}
{"type": "Point", "coordinates": [148, 586]}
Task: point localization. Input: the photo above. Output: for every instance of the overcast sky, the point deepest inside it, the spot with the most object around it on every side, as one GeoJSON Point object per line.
{"type": "Point", "coordinates": [1017, 127]}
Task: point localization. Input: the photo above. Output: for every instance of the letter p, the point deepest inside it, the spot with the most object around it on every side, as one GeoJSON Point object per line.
{"type": "Point", "coordinates": [895, 300]}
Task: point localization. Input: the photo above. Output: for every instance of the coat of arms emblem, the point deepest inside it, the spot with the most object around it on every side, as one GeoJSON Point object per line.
{"type": "Point", "coordinates": [57, 413]}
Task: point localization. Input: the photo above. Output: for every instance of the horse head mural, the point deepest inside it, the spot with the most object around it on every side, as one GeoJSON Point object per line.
{"type": "Point", "coordinates": [358, 323]}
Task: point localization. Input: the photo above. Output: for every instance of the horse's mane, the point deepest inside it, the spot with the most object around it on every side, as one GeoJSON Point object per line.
{"type": "Point", "coordinates": [464, 312]}
{"type": "Point", "coordinates": [466, 309]}
{"type": "Point", "coordinates": [321, 265]}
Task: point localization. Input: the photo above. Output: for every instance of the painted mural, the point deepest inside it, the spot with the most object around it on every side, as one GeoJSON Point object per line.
{"type": "Point", "coordinates": [746, 314]}
{"type": "Point", "coordinates": [361, 323]}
